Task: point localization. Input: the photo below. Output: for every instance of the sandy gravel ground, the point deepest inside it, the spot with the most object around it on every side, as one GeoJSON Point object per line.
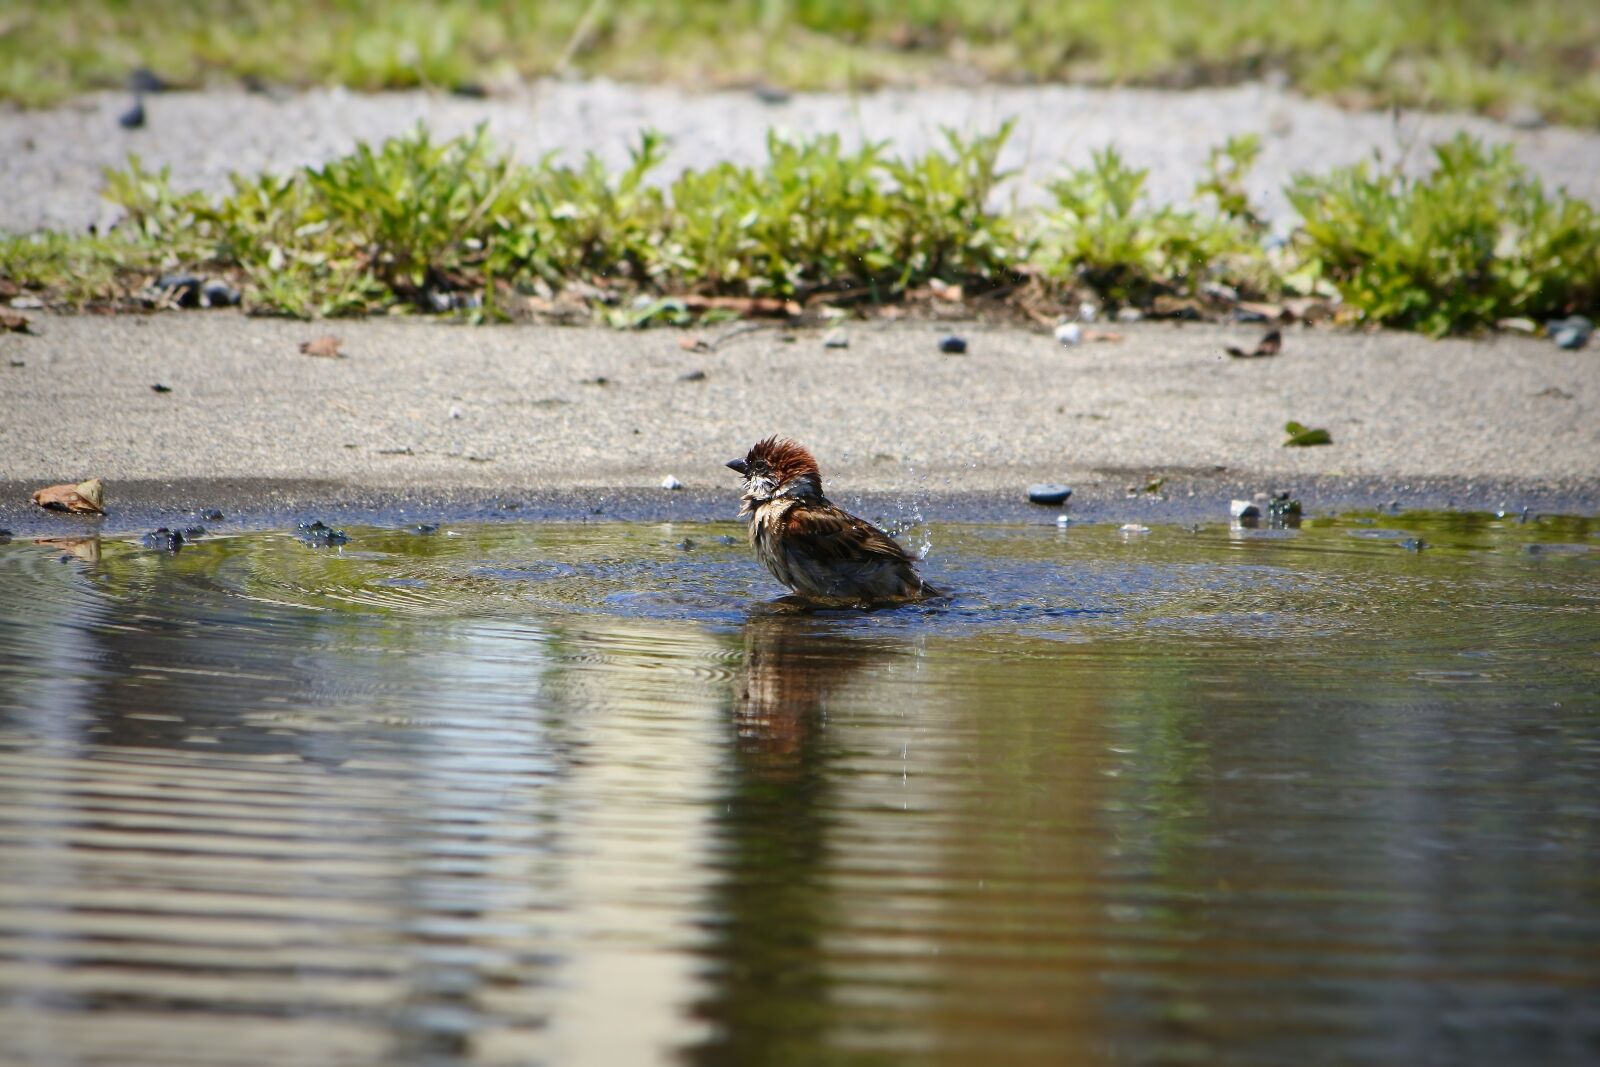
{"type": "Point", "coordinates": [51, 160]}
{"type": "Point", "coordinates": [483, 414]}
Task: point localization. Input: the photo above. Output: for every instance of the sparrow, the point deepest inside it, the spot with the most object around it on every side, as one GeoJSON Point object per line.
{"type": "Point", "coordinates": [817, 549]}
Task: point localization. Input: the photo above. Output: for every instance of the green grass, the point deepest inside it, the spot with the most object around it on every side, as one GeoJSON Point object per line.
{"type": "Point", "coordinates": [1477, 240]}
{"type": "Point", "coordinates": [418, 225]}
{"type": "Point", "coordinates": [1488, 55]}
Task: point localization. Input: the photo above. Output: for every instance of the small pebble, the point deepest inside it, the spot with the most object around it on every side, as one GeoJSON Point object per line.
{"type": "Point", "coordinates": [693, 376]}
{"type": "Point", "coordinates": [145, 80]}
{"type": "Point", "coordinates": [162, 539]}
{"type": "Point", "coordinates": [5, 535]}
{"type": "Point", "coordinates": [1069, 334]}
{"type": "Point", "coordinates": [670, 483]}
{"type": "Point", "coordinates": [953, 345]}
{"type": "Point", "coordinates": [319, 534]}
{"type": "Point", "coordinates": [1088, 311]}
{"type": "Point", "coordinates": [184, 289]}
{"type": "Point", "coordinates": [133, 118]}
{"type": "Point", "coordinates": [1129, 315]}
{"type": "Point", "coordinates": [1134, 528]}
{"type": "Point", "coordinates": [425, 528]}
{"type": "Point", "coordinates": [159, 388]}
{"type": "Point", "coordinates": [215, 294]}
{"type": "Point", "coordinates": [1413, 544]}
{"type": "Point", "coordinates": [1048, 493]}
{"type": "Point", "coordinates": [1570, 332]}
{"type": "Point", "coordinates": [1244, 509]}
{"type": "Point", "coordinates": [211, 515]}
{"type": "Point", "coordinates": [1063, 520]}
{"type": "Point", "coordinates": [455, 412]}
{"type": "Point", "coordinates": [838, 339]}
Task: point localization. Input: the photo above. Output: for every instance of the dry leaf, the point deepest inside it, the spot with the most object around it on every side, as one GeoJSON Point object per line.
{"type": "Point", "coordinates": [744, 305]}
{"type": "Point", "coordinates": [85, 498]}
{"type": "Point", "coordinates": [326, 347]}
{"type": "Point", "coordinates": [1308, 308]}
{"type": "Point", "coordinates": [12, 322]}
{"type": "Point", "coordinates": [1270, 345]}
{"type": "Point", "coordinates": [1177, 307]}
{"type": "Point", "coordinates": [1270, 312]}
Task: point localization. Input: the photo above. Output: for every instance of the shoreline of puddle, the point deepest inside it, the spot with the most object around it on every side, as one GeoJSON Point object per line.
{"type": "Point", "coordinates": [1118, 498]}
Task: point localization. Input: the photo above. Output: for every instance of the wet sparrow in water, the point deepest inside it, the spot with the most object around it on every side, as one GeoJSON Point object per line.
{"type": "Point", "coordinates": [811, 546]}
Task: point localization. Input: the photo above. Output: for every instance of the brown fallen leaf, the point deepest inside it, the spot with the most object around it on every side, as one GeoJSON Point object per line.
{"type": "Point", "coordinates": [744, 305]}
{"type": "Point", "coordinates": [325, 347]}
{"type": "Point", "coordinates": [1308, 308]}
{"type": "Point", "coordinates": [13, 322]}
{"type": "Point", "coordinates": [84, 498]}
{"type": "Point", "coordinates": [1177, 307]}
{"type": "Point", "coordinates": [1269, 312]}
{"type": "Point", "coordinates": [1270, 345]}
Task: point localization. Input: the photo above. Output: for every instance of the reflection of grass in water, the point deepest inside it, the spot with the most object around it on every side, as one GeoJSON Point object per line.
{"type": "Point", "coordinates": [1476, 54]}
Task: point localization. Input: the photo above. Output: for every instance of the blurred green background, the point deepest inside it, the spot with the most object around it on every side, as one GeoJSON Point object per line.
{"type": "Point", "coordinates": [1495, 56]}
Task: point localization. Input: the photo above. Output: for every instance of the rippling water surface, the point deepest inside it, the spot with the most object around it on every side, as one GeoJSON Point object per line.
{"type": "Point", "coordinates": [576, 794]}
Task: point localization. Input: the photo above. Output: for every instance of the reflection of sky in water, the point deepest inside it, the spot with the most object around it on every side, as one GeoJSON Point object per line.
{"type": "Point", "coordinates": [585, 795]}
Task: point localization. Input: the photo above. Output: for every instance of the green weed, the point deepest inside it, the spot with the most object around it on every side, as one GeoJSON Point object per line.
{"type": "Point", "coordinates": [1476, 240]}
{"type": "Point", "coordinates": [1104, 235]}
{"type": "Point", "coordinates": [413, 224]}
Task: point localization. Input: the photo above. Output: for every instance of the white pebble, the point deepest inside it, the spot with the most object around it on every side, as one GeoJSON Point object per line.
{"type": "Point", "coordinates": [669, 482]}
{"type": "Point", "coordinates": [1069, 334]}
{"type": "Point", "coordinates": [1135, 528]}
{"type": "Point", "coordinates": [455, 413]}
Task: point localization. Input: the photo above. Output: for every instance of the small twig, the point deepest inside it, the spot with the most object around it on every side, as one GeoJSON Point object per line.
{"type": "Point", "coordinates": [580, 34]}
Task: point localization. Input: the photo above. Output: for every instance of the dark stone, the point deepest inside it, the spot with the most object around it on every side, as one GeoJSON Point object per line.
{"type": "Point", "coordinates": [1413, 544]}
{"type": "Point", "coordinates": [1048, 493]}
{"type": "Point", "coordinates": [318, 534]}
{"type": "Point", "coordinates": [145, 80]}
{"type": "Point", "coordinates": [182, 288]}
{"type": "Point", "coordinates": [953, 345]}
{"type": "Point", "coordinates": [133, 118]}
{"type": "Point", "coordinates": [211, 515]}
{"type": "Point", "coordinates": [193, 533]}
{"type": "Point", "coordinates": [159, 388]}
{"type": "Point", "coordinates": [5, 535]}
{"type": "Point", "coordinates": [1570, 332]}
{"type": "Point", "coordinates": [162, 539]}
{"type": "Point", "coordinates": [425, 528]}
{"type": "Point", "coordinates": [693, 376]}
{"type": "Point", "coordinates": [216, 294]}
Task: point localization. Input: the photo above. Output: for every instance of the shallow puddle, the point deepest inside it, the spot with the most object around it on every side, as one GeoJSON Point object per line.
{"type": "Point", "coordinates": [513, 794]}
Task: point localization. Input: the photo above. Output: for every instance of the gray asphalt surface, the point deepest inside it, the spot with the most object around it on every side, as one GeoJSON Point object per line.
{"type": "Point", "coordinates": [474, 418]}
{"type": "Point", "coordinates": [51, 160]}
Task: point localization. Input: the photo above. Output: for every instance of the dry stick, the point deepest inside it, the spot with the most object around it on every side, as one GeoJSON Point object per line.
{"type": "Point", "coordinates": [580, 34]}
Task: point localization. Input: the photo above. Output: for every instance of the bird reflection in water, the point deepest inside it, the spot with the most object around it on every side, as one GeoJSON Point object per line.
{"type": "Point", "coordinates": [770, 997]}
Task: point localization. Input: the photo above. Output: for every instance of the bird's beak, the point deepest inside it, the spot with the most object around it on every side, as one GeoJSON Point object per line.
{"type": "Point", "coordinates": [738, 465]}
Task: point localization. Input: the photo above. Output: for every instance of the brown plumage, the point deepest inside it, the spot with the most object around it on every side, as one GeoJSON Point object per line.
{"type": "Point", "coordinates": [815, 548]}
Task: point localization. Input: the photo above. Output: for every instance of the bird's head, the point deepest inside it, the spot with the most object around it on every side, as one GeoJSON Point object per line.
{"type": "Point", "coordinates": [777, 468]}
